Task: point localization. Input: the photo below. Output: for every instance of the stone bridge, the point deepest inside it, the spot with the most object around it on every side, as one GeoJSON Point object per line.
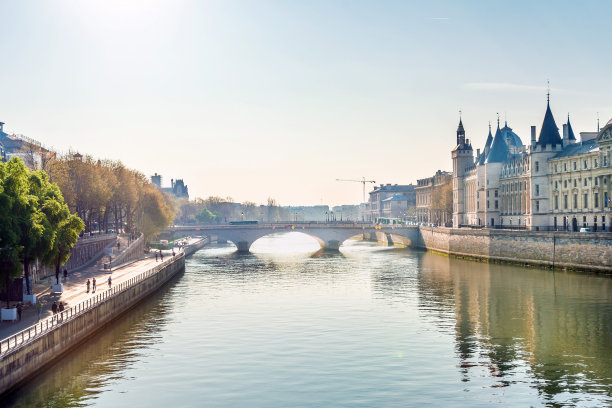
{"type": "Point", "coordinates": [329, 235]}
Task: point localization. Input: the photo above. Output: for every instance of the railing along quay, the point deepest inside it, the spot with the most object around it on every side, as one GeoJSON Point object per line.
{"type": "Point", "coordinates": [51, 323]}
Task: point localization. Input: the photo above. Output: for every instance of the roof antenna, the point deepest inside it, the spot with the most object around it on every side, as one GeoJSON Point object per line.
{"type": "Point", "coordinates": [497, 120]}
{"type": "Point", "coordinates": [506, 118]}
{"type": "Point", "coordinates": [547, 91]}
{"type": "Point", "coordinates": [597, 122]}
{"type": "Point", "coordinates": [489, 126]}
{"type": "Point", "coordinates": [460, 115]}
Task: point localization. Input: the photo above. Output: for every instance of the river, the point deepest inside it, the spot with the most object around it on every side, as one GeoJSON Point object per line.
{"type": "Point", "coordinates": [371, 326]}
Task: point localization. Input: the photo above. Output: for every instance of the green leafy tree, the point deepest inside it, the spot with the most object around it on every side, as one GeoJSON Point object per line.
{"type": "Point", "coordinates": [206, 216]}
{"type": "Point", "coordinates": [13, 185]}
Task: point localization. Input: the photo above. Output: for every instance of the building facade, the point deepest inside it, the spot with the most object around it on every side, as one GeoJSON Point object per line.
{"type": "Point", "coordinates": [553, 183]}
{"type": "Point", "coordinates": [424, 192]}
{"type": "Point", "coordinates": [390, 201]}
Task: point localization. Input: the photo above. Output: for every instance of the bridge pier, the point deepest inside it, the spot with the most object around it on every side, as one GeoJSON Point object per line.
{"type": "Point", "coordinates": [332, 245]}
{"type": "Point", "coordinates": [243, 246]}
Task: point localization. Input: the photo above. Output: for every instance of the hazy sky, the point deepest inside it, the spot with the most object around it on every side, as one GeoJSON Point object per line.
{"type": "Point", "coordinates": [252, 99]}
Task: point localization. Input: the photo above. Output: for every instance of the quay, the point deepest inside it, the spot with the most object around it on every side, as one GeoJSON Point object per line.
{"type": "Point", "coordinates": [26, 352]}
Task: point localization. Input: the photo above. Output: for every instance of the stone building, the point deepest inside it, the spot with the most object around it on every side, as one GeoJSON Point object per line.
{"type": "Point", "coordinates": [390, 201]}
{"type": "Point", "coordinates": [424, 190]}
{"type": "Point", "coordinates": [31, 151]}
{"type": "Point", "coordinates": [551, 184]}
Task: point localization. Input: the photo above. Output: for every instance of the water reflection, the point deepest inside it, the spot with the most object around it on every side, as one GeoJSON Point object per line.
{"type": "Point", "coordinates": [510, 322]}
{"type": "Point", "coordinates": [78, 379]}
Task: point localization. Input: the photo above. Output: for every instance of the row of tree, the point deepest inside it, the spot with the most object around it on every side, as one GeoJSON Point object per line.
{"type": "Point", "coordinates": [219, 210]}
{"type": "Point", "coordinates": [35, 222]}
{"type": "Point", "coordinates": [107, 195]}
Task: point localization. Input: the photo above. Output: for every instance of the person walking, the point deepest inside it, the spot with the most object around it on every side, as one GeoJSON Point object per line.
{"type": "Point", "coordinates": [19, 310]}
{"type": "Point", "coordinates": [109, 281]}
{"type": "Point", "coordinates": [39, 307]}
{"type": "Point", "coordinates": [54, 307]}
{"type": "Point", "coordinates": [161, 255]}
{"type": "Point", "coordinates": [65, 274]}
{"type": "Point", "coordinates": [88, 283]}
{"type": "Point", "coordinates": [94, 285]}
{"type": "Point", "coordinates": [156, 257]}
{"type": "Point", "coordinates": [61, 309]}
{"type": "Point", "coordinates": [57, 276]}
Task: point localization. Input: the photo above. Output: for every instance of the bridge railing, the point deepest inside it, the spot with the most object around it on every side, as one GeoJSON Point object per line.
{"type": "Point", "coordinates": [53, 322]}
{"type": "Point", "coordinates": [288, 225]}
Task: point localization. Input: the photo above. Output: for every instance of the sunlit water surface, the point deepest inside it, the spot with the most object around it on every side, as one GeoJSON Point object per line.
{"type": "Point", "coordinates": [371, 326]}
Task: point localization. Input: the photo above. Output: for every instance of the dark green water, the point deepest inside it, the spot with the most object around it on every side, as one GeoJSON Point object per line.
{"type": "Point", "coordinates": [369, 327]}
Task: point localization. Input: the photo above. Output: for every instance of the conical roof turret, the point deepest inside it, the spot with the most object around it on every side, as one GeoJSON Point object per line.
{"type": "Point", "coordinates": [549, 135]}
{"type": "Point", "coordinates": [499, 149]}
{"type": "Point", "coordinates": [487, 147]}
{"type": "Point", "coordinates": [570, 131]}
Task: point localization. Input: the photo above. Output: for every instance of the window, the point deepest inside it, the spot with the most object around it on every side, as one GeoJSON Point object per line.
{"type": "Point", "coordinates": [595, 163]}
{"type": "Point", "coordinates": [537, 206]}
{"type": "Point", "coordinates": [556, 185]}
{"type": "Point", "coordinates": [537, 192]}
{"type": "Point", "coordinates": [565, 201]}
{"type": "Point", "coordinates": [556, 168]}
{"type": "Point", "coordinates": [487, 203]}
{"type": "Point", "coordinates": [574, 165]}
{"type": "Point", "coordinates": [537, 166]}
{"type": "Point", "coordinates": [556, 202]}
{"type": "Point", "coordinates": [586, 200]}
{"type": "Point", "coordinates": [585, 164]}
{"type": "Point", "coordinates": [574, 182]}
{"type": "Point", "coordinates": [596, 181]}
{"type": "Point", "coordinates": [584, 224]}
{"type": "Point", "coordinates": [575, 200]}
{"type": "Point", "coordinates": [564, 183]}
{"type": "Point", "coordinates": [496, 194]}
{"type": "Point", "coordinates": [596, 200]}
{"type": "Point", "coordinates": [585, 181]}
{"type": "Point", "coordinates": [487, 193]}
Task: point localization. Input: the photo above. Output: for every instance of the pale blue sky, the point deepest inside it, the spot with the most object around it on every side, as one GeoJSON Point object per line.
{"type": "Point", "coordinates": [251, 99]}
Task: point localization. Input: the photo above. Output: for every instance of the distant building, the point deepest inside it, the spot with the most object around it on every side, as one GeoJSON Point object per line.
{"type": "Point", "coordinates": [390, 201]}
{"type": "Point", "coordinates": [310, 213]}
{"type": "Point", "coordinates": [177, 188]}
{"type": "Point", "coordinates": [424, 191]}
{"type": "Point", "coordinates": [346, 212]}
{"type": "Point", "coordinates": [31, 151]}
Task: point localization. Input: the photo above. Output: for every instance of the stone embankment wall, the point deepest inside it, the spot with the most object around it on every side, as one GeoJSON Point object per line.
{"type": "Point", "coordinates": [86, 249]}
{"type": "Point", "coordinates": [25, 360]}
{"type": "Point", "coordinates": [581, 251]}
{"type": "Point", "coordinates": [133, 252]}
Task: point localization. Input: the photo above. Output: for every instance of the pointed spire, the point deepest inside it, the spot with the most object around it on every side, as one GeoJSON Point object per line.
{"type": "Point", "coordinates": [549, 134]}
{"type": "Point", "coordinates": [499, 149]}
{"type": "Point", "coordinates": [487, 147]}
{"type": "Point", "coordinates": [570, 131]}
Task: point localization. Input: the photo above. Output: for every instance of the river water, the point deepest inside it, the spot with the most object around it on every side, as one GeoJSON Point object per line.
{"type": "Point", "coordinates": [372, 326]}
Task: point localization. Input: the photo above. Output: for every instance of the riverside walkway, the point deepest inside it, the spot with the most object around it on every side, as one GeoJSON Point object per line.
{"type": "Point", "coordinates": [75, 291]}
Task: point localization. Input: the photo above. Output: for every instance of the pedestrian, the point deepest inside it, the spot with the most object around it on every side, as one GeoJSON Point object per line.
{"type": "Point", "coordinates": [161, 255]}
{"type": "Point", "coordinates": [173, 254]}
{"type": "Point", "coordinates": [156, 257]}
{"type": "Point", "coordinates": [109, 281]}
{"type": "Point", "coordinates": [57, 276]}
{"type": "Point", "coordinates": [39, 308]}
{"type": "Point", "coordinates": [61, 307]}
{"type": "Point", "coordinates": [54, 307]}
{"type": "Point", "coordinates": [94, 285]}
{"type": "Point", "coordinates": [88, 283]}
{"type": "Point", "coordinates": [19, 310]}
{"type": "Point", "coordinates": [118, 245]}
{"type": "Point", "coordinates": [65, 274]}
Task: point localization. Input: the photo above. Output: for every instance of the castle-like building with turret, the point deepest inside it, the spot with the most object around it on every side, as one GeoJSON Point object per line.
{"type": "Point", "coordinates": [553, 183]}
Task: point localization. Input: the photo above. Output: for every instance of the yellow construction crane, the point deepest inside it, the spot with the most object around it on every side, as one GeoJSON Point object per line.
{"type": "Point", "coordinates": [363, 182]}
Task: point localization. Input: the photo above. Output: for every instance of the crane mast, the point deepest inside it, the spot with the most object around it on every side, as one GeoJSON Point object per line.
{"type": "Point", "coordinates": [363, 182]}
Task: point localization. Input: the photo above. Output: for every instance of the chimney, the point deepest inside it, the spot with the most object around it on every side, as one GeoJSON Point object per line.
{"type": "Point", "coordinates": [533, 135]}
{"type": "Point", "coordinates": [565, 135]}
